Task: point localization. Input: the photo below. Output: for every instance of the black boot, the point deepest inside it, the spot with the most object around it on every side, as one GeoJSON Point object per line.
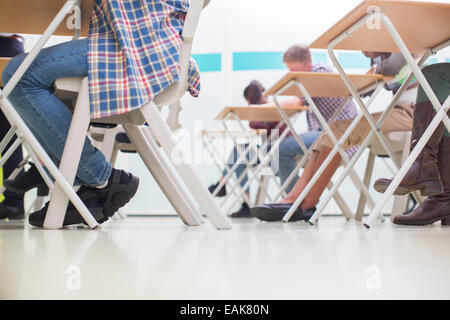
{"type": "Point", "coordinates": [26, 181]}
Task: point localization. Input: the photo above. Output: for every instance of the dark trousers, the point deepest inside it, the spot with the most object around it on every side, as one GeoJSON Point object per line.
{"type": "Point", "coordinates": [10, 48]}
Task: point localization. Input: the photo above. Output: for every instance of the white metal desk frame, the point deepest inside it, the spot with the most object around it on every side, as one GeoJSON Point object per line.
{"type": "Point", "coordinates": [242, 155]}
{"type": "Point", "coordinates": [306, 152]}
{"type": "Point", "coordinates": [363, 146]}
{"type": "Point", "coordinates": [208, 144]}
{"type": "Point", "coordinates": [338, 145]}
{"type": "Point", "coordinates": [259, 154]}
{"type": "Point", "coordinates": [18, 126]}
{"type": "Point", "coordinates": [264, 159]}
{"type": "Point", "coordinates": [440, 109]}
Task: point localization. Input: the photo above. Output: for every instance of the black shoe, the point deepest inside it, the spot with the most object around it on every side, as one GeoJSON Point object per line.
{"type": "Point", "coordinates": [122, 137]}
{"type": "Point", "coordinates": [26, 181]}
{"type": "Point", "coordinates": [243, 212]}
{"type": "Point", "coordinates": [11, 212]}
{"type": "Point", "coordinates": [276, 212]}
{"type": "Point", "coordinates": [89, 198]}
{"type": "Point", "coordinates": [122, 186]}
{"type": "Point", "coordinates": [222, 192]}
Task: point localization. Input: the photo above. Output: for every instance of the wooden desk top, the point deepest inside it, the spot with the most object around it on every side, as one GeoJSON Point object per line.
{"type": "Point", "coordinates": [258, 113]}
{"type": "Point", "coordinates": [320, 84]}
{"type": "Point", "coordinates": [422, 25]}
{"type": "Point", "coordinates": [34, 16]}
{"type": "Point", "coordinates": [3, 63]}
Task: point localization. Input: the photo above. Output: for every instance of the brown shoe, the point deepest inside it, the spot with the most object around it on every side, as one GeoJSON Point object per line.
{"type": "Point", "coordinates": [424, 173]}
{"type": "Point", "coordinates": [437, 207]}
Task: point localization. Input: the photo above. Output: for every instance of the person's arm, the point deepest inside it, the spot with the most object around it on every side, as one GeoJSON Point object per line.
{"type": "Point", "coordinates": [286, 102]}
{"type": "Point", "coordinates": [391, 66]}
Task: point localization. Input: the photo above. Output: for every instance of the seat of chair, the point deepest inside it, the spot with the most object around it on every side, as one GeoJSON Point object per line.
{"type": "Point", "coordinates": [98, 134]}
{"type": "Point", "coordinates": [67, 90]}
{"type": "Point", "coordinates": [396, 139]}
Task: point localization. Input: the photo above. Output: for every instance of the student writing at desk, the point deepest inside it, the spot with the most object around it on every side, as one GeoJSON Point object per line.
{"type": "Point", "coordinates": [400, 119]}
{"type": "Point", "coordinates": [298, 58]}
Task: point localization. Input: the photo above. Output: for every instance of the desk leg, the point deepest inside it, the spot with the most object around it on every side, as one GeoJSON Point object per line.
{"type": "Point", "coordinates": [365, 144]}
{"type": "Point", "coordinates": [440, 116]}
{"type": "Point", "coordinates": [242, 158]}
{"type": "Point", "coordinates": [336, 149]}
{"type": "Point", "coordinates": [212, 153]}
{"type": "Point", "coordinates": [267, 157]}
{"type": "Point", "coordinates": [426, 87]}
{"type": "Point", "coordinates": [307, 152]}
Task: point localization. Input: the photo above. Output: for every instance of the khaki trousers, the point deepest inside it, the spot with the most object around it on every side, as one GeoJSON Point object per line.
{"type": "Point", "coordinates": [400, 119]}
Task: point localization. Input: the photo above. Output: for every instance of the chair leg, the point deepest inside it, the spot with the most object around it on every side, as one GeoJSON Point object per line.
{"type": "Point", "coordinates": [108, 147]}
{"type": "Point", "coordinates": [69, 164]}
{"type": "Point", "coordinates": [109, 141]}
{"type": "Point", "coordinates": [367, 176]}
{"type": "Point", "coordinates": [261, 196]}
{"type": "Point", "coordinates": [165, 137]}
{"type": "Point", "coordinates": [149, 155]}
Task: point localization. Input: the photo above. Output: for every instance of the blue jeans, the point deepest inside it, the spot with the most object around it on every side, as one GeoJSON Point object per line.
{"type": "Point", "coordinates": [289, 150]}
{"type": "Point", "coordinates": [46, 116]}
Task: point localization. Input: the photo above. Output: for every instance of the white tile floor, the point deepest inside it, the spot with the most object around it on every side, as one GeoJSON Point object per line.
{"type": "Point", "coordinates": [159, 258]}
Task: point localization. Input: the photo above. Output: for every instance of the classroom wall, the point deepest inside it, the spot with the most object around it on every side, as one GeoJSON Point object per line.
{"type": "Point", "coordinates": [238, 41]}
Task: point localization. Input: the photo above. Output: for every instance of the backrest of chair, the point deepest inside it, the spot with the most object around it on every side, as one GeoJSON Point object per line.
{"type": "Point", "coordinates": [189, 29]}
{"type": "Point", "coordinates": [178, 89]}
{"type": "Point", "coordinates": [398, 140]}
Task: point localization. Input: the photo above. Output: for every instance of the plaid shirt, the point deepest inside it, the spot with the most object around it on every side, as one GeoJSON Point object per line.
{"type": "Point", "coordinates": [133, 56]}
{"type": "Point", "coordinates": [327, 107]}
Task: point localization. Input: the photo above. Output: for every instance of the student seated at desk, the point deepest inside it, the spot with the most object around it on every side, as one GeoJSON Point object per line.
{"type": "Point", "coordinates": [126, 70]}
{"type": "Point", "coordinates": [253, 94]}
{"type": "Point", "coordinates": [430, 172]}
{"type": "Point", "coordinates": [400, 119]}
{"type": "Point", "coordinates": [298, 58]}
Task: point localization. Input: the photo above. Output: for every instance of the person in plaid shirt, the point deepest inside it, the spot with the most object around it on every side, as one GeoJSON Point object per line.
{"type": "Point", "coordinates": [298, 58]}
{"type": "Point", "coordinates": [131, 56]}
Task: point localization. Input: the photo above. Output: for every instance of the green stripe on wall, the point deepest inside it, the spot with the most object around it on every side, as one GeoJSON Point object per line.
{"type": "Point", "coordinates": [271, 60]}
{"type": "Point", "coordinates": [353, 60]}
{"type": "Point", "coordinates": [246, 61]}
{"type": "Point", "coordinates": [257, 61]}
{"type": "Point", "coordinates": [208, 62]}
